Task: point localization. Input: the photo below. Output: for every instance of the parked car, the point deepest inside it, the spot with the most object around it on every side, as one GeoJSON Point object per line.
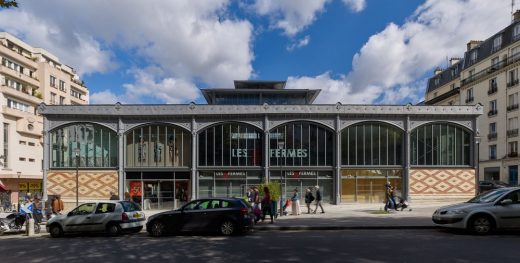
{"type": "Point", "coordinates": [226, 216]}
{"type": "Point", "coordinates": [490, 185]}
{"type": "Point", "coordinates": [491, 210]}
{"type": "Point", "coordinates": [111, 217]}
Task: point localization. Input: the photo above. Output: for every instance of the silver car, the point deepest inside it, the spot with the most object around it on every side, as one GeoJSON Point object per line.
{"type": "Point", "coordinates": [491, 210]}
{"type": "Point", "coordinates": [111, 217]}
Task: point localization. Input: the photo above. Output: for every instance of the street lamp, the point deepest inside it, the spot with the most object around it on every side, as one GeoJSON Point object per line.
{"type": "Point", "coordinates": [18, 198]}
{"type": "Point", "coordinates": [77, 151]}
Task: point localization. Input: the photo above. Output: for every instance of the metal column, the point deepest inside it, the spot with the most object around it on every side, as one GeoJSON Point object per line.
{"type": "Point", "coordinates": [266, 148]}
{"type": "Point", "coordinates": [121, 159]}
{"type": "Point", "coordinates": [194, 177]}
{"type": "Point", "coordinates": [337, 177]}
{"type": "Point", "coordinates": [406, 173]}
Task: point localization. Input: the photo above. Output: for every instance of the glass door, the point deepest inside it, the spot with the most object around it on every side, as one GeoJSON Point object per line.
{"type": "Point", "coordinates": [513, 175]}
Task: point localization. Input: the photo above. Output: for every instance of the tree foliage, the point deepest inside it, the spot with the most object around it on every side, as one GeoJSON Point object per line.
{"type": "Point", "coordinates": [8, 3]}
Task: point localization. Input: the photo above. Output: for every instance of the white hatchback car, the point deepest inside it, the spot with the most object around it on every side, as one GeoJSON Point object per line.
{"type": "Point", "coordinates": [494, 209]}
{"type": "Point", "coordinates": [111, 217]}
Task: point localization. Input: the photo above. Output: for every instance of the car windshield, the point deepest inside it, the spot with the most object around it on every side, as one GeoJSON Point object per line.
{"type": "Point", "coordinates": [130, 206]}
{"type": "Point", "coordinates": [489, 196]}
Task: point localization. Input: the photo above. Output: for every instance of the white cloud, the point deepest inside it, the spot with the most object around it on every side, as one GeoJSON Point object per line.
{"type": "Point", "coordinates": [299, 44]}
{"type": "Point", "coordinates": [105, 97]}
{"type": "Point", "coordinates": [355, 5]}
{"type": "Point", "coordinates": [391, 60]}
{"type": "Point", "coordinates": [190, 40]}
{"type": "Point", "coordinates": [292, 16]}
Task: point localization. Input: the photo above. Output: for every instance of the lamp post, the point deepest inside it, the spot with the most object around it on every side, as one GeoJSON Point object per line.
{"type": "Point", "coordinates": [18, 197]}
{"type": "Point", "coordinates": [76, 152]}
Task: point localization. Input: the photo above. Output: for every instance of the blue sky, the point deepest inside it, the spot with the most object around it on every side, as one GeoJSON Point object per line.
{"type": "Point", "coordinates": [356, 51]}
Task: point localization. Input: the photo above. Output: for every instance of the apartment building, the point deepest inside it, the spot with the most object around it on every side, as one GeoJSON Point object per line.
{"type": "Point", "coordinates": [28, 77]}
{"type": "Point", "coordinates": [487, 74]}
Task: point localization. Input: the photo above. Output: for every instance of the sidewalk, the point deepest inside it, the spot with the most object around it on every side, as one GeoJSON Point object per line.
{"type": "Point", "coordinates": [348, 216]}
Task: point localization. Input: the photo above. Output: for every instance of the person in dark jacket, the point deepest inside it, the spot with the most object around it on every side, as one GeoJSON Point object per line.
{"type": "Point", "coordinates": [308, 199]}
{"type": "Point", "coordinates": [318, 200]}
{"type": "Point", "coordinates": [266, 205]}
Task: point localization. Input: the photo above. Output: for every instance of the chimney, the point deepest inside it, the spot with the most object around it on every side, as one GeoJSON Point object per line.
{"type": "Point", "coordinates": [516, 16]}
{"type": "Point", "coordinates": [473, 44]}
{"type": "Point", "coordinates": [437, 71]}
{"type": "Point", "coordinates": [454, 61]}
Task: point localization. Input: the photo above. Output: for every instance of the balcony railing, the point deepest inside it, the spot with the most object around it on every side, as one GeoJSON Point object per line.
{"type": "Point", "coordinates": [470, 99]}
{"type": "Point", "coordinates": [504, 63]}
{"type": "Point", "coordinates": [513, 154]}
{"type": "Point", "coordinates": [492, 89]}
{"type": "Point", "coordinates": [512, 133]}
{"type": "Point", "coordinates": [512, 107]}
{"type": "Point", "coordinates": [512, 83]}
{"type": "Point", "coordinates": [492, 136]}
{"type": "Point", "coordinates": [492, 113]}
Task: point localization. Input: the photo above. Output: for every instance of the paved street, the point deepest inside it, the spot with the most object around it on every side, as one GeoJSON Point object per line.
{"type": "Point", "coordinates": [428, 245]}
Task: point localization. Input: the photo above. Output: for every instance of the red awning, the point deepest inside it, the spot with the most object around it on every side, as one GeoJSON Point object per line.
{"type": "Point", "coordinates": [3, 187]}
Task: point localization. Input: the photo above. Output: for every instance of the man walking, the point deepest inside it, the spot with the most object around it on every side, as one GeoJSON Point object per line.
{"type": "Point", "coordinates": [318, 200]}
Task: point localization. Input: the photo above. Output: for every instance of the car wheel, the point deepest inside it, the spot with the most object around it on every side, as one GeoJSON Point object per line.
{"type": "Point", "coordinates": [56, 231]}
{"type": "Point", "coordinates": [157, 229]}
{"type": "Point", "coordinates": [113, 229]}
{"type": "Point", "coordinates": [481, 225]}
{"type": "Point", "coordinates": [227, 228]}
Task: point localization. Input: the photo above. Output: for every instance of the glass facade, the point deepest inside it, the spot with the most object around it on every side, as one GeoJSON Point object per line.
{"type": "Point", "coordinates": [302, 180]}
{"type": "Point", "coordinates": [98, 146]}
{"type": "Point", "coordinates": [230, 144]}
{"type": "Point", "coordinates": [372, 144]}
{"type": "Point", "coordinates": [232, 183]}
{"type": "Point", "coordinates": [158, 145]}
{"type": "Point", "coordinates": [440, 144]}
{"type": "Point", "coordinates": [158, 190]}
{"type": "Point", "coordinates": [368, 185]}
{"type": "Point", "coordinates": [301, 144]}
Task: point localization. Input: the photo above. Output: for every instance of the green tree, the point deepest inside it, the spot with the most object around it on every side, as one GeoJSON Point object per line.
{"type": "Point", "coordinates": [8, 3]}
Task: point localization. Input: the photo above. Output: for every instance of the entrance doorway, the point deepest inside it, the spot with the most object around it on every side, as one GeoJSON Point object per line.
{"type": "Point", "coordinates": [368, 186]}
{"type": "Point", "coordinates": [158, 190]}
{"type": "Point", "coordinates": [513, 175]}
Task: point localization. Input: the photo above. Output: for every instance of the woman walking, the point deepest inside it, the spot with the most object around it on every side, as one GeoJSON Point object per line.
{"type": "Point", "coordinates": [266, 205]}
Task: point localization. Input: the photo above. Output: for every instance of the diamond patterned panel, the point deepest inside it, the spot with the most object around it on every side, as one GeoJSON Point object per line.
{"type": "Point", "coordinates": [442, 182]}
{"type": "Point", "coordinates": [92, 184]}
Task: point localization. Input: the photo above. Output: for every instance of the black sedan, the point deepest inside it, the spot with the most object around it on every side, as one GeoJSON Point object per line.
{"type": "Point", "coordinates": [226, 216]}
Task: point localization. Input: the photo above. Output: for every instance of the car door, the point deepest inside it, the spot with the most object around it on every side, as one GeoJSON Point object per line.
{"type": "Point", "coordinates": [509, 214]}
{"type": "Point", "coordinates": [212, 215]}
{"type": "Point", "coordinates": [79, 219]}
{"type": "Point", "coordinates": [189, 215]}
{"type": "Point", "coordinates": [102, 214]}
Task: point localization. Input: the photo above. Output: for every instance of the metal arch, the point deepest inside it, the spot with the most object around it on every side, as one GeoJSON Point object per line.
{"type": "Point", "coordinates": [59, 124]}
{"type": "Point", "coordinates": [129, 128]}
{"type": "Point", "coordinates": [317, 122]}
{"type": "Point", "coordinates": [456, 123]}
{"type": "Point", "coordinates": [342, 128]}
{"type": "Point", "coordinates": [208, 125]}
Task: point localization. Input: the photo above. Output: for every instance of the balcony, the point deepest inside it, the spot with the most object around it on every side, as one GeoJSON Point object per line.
{"type": "Point", "coordinates": [512, 83]}
{"type": "Point", "coordinates": [492, 90]}
{"type": "Point", "coordinates": [25, 96]}
{"type": "Point", "coordinates": [492, 136]}
{"type": "Point", "coordinates": [512, 133]}
{"type": "Point", "coordinates": [491, 70]}
{"type": "Point", "coordinates": [512, 107]}
{"type": "Point", "coordinates": [492, 113]}
{"type": "Point", "coordinates": [470, 99]}
{"type": "Point", "coordinates": [18, 114]}
{"type": "Point", "coordinates": [512, 154]}
{"type": "Point", "coordinates": [19, 57]}
{"type": "Point", "coordinates": [18, 75]}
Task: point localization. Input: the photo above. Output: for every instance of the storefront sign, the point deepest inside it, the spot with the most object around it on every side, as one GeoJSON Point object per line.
{"type": "Point", "coordinates": [300, 153]}
{"type": "Point", "coordinates": [35, 186]}
{"type": "Point", "coordinates": [135, 188]}
{"type": "Point", "coordinates": [227, 174]}
{"type": "Point", "coordinates": [23, 187]}
{"type": "Point", "coordinates": [238, 152]}
{"type": "Point", "coordinates": [245, 135]}
{"type": "Point", "coordinates": [298, 174]}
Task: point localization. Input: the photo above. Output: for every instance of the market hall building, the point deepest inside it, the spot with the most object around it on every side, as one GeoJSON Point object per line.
{"type": "Point", "coordinates": [164, 155]}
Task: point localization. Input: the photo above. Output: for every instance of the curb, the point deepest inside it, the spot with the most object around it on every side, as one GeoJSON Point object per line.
{"type": "Point", "coordinates": [292, 228]}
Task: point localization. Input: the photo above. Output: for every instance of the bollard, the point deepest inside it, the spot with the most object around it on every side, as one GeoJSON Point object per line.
{"type": "Point", "coordinates": [29, 227]}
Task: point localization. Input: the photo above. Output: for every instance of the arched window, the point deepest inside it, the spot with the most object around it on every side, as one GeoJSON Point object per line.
{"type": "Point", "coordinates": [230, 144]}
{"type": "Point", "coordinates": [372, 144]}
{"type": "Point", "coordinates": [301, 144]}
{"type": "Point", "coordinates": [440, 144]}
{"type": "Point", "coordinates": [95, 145]}
{"type": "Point", "coordinates": [158, 145]}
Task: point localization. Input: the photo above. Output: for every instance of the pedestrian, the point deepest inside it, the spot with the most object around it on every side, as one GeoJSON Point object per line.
{"type": "Point", "coordinates": [57, 205]}
{"type": "Point", "coordinates": [37, 210]}
{"type": "Point", "coordinates": [113, 196]}
{"type": "Point", "coordinates": [308, 199]}
{"type": "Point", "coordinates": [266, 205]}
{"type": "Point", "coordinates": [295, 199]}
{"type": "Point", "coordinates": [249, 195]}
{"type": "Point", "coordinates": [389, 196]}
{"type": "Point", "coordinates": [318, 200]}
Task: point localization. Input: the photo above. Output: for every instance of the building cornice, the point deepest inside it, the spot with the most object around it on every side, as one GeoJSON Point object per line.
{"type": "Point", "coordinates": [208, 110]}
